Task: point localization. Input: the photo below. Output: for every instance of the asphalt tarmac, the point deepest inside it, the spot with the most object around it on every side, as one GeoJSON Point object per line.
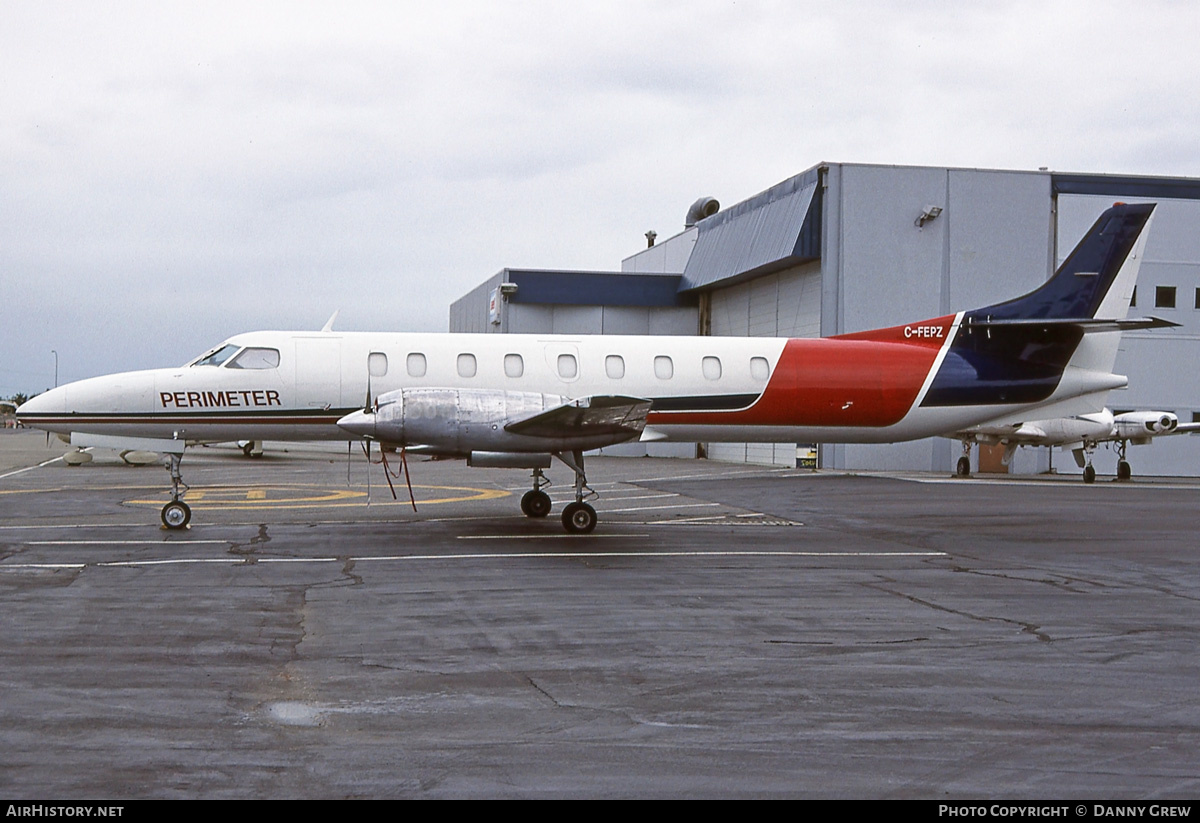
{"type": "Point", "coordinates": [727, 631]}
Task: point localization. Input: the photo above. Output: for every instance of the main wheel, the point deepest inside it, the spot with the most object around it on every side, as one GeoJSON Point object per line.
{"type": "Point", "coordinates": [1089, 474]}
{"type": "Point", "coordinates": [176, 514]}
{"type": "Point", "coordinates": [1124, 471]}
{"type": "Point", "coordinates": [964, 466]}
{"type": "Point", "coordinates": [579, 518]}
{"type": "Point", "coordinates": [535, 503]}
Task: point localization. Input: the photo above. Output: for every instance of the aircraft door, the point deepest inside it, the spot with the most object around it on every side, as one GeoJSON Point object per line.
{"type": "Point", "coordinates": [319, 373]}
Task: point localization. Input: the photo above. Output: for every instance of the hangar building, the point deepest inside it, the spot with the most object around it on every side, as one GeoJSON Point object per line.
{"type": "Point", "coordinates": [847, 247]}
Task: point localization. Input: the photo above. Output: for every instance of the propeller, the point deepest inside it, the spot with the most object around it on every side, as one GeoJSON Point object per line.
{"type": "Point", "coordinates": [371, 406]}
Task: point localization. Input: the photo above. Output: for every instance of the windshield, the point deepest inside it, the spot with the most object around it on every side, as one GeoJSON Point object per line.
{"type": "Point", "coordinates": [255, 358]}
{"type": "Point", "coordinates": [217, 356]}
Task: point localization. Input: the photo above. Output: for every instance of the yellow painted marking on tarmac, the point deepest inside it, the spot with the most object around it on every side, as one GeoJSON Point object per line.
{"type": "Point", "coordinates": [294, 496]}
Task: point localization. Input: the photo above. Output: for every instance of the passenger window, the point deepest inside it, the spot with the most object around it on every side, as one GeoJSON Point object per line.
{"type": "Point", "coordinates": [664, 369]}
{"type": "Point", "coordinates": [416, 364]}
{"type": "Point", "coordinates": [466, 365]}
{"type": "Point", "coordinates": [759, 368]}
{"type": "Point", "coordinates": [711, 366]}
{"type": "Point", "coordinates": [514, 366]}
{"type": "Point", "coordinates": [568, 367]}
{"type": "Point", "coordinates": [614, 366]}
{"type": "Point", "coordinates": [255, 358]}
{"type": "Point", "coordinates": [377, 364]}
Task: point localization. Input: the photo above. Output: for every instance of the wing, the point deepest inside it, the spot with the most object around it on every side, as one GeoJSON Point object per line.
{"type": "Point", "coordinates": [607, 415]}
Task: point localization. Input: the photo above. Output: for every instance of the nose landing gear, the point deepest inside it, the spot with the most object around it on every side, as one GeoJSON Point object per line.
{"type": "Point", "coordinates": [176, 514]}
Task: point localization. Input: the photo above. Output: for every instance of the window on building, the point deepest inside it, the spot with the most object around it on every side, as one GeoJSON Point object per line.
{"type": "Point", "coordinates": [614, 366]}
{"type": "Point", "coordinates": [514, 365]}
{"type": "Point", "coordinates": [1164, 297]}
{"type": "Point", "coordinates": [415, 364]}
{"type": "Point", "coordinates": [466, 365]}
{"type": "Point", "coordinates": [377, 364]}
{"type": "Point", "coordinates": [1133, 297]}
{"type": "Point", "coordinates": [1198, 298]}
{"type": "Point", "coordinates": [711, 368]}
{"type": "Point", "coordinates": [664, 368]}
{"type": "Point", "coordinates": [568, 367]}
{"type": "Point", "coordinates": [759, 368]}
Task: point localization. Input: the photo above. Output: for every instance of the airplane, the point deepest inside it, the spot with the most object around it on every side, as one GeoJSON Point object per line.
{"type": "Point", "coordinates": [1080, 435]}
{"type": "Point", "coordinates": [520, 400]}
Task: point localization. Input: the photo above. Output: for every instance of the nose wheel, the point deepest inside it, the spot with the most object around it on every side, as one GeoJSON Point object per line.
{"type": "Point", "coordinates": [176, 514]}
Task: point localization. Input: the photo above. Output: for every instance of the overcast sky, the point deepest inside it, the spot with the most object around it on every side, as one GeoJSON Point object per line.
{"type": "Point", "coordinates": [174, 173]}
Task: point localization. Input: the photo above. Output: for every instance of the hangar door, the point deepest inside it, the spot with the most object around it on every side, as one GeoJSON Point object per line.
{"type": "Point", "coordinates": [783, 304]}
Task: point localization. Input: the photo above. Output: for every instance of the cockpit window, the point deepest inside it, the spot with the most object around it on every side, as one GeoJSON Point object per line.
{"type": "Point", "coordinates": [217, 357]}
{"type": "Point", "coordinates": [255, 358]}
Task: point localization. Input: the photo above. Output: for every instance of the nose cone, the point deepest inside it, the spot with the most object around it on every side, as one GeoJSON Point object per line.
{"type": "Point", "coordinates": [359, 423]}
{"type": "Point", "coordinates": [40, 410]}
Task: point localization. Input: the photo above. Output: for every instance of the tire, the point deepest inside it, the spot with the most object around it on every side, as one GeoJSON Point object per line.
{"type": "Point", "coordinates": [536, 504]}
{"type": "Point", "coordinates": [176, 515]}
{"type": "Point", "coordinates": [964, 466]}
{"type": "Point", "coordinates": [1089, 474]}
{"type": "Point", "coordinates": [579, 518]}
{"type": "Point", "coordinates": [1124, 471]}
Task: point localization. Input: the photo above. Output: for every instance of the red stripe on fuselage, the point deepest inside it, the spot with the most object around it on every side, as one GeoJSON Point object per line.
{"type": "Point", "coordinates": [868, 379]}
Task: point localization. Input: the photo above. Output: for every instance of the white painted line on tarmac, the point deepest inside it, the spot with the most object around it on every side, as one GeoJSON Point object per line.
{"type": "Point", "coordinates": [656, 508]}
{"type": "Point", "coordinates": [54, 526]}
{"type": "Point", "coordinates": [159, 542]}
{"type": "Point", "coordinates": [583, 555]}
{"type": "Point", "coordinates": [568, 495]}
{"type": "Point", "coordinates": [562, 536]}
{"type": "Point", "coordinates": [31, 468]}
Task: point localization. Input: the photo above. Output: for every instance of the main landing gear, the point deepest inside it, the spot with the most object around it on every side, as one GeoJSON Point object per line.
{"type": "Point", "coordinates": [1124, 470]}
{"type": "Point", "coordinates": [176, 514]}
{"type": "Point", "coordinates": [535, 502]}
{"type": "Point", "coordinates": [963, 469]}
{"type": "Point", "coordinates": [1083, 457]}
{"type": "Point", "coordinates": [1089, 471]}
{"type": "Point", "coordinates": [577, 517]}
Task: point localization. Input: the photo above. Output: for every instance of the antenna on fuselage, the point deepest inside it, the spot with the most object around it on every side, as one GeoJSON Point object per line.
{"type": "Point", "coordinates": [329, 323]}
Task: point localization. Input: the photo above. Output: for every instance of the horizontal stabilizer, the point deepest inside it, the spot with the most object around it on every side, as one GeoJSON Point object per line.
{"type": "Point", "coordinates": [614, 415]}
{"type": "Point", "coordinates": [1085, 324]}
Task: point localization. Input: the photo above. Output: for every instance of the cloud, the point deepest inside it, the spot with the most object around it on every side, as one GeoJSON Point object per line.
{"type": "Point", "coordinates": [174, 173]}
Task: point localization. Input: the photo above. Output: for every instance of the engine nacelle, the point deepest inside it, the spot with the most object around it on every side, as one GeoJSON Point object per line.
{"type": "Point", "coordinates": [463, 421]}
{"type": "Point", "coordinates": [1142, 425]}
{"type": "Point", "coordinates": [457, 421]}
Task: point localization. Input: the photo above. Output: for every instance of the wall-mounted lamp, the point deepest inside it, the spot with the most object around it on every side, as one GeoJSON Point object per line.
{"type": "Point", "coordinates": [930, 213]}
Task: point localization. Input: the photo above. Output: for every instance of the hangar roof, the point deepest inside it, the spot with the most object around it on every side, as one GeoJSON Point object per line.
{"type": "Point", "coordinates": [775, 229]}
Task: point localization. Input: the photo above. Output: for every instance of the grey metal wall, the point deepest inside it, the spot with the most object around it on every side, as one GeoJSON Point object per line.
{"type": "Point", "coordinates": [992, 240]}
{"type": "Point", "coordinates": [783, 304]}
{"type": "Point", "coordinates": [469, 313]}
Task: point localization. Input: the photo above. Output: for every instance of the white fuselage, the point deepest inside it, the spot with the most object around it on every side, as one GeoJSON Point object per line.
{"type": "Point", "coordinates": [296, 385]}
